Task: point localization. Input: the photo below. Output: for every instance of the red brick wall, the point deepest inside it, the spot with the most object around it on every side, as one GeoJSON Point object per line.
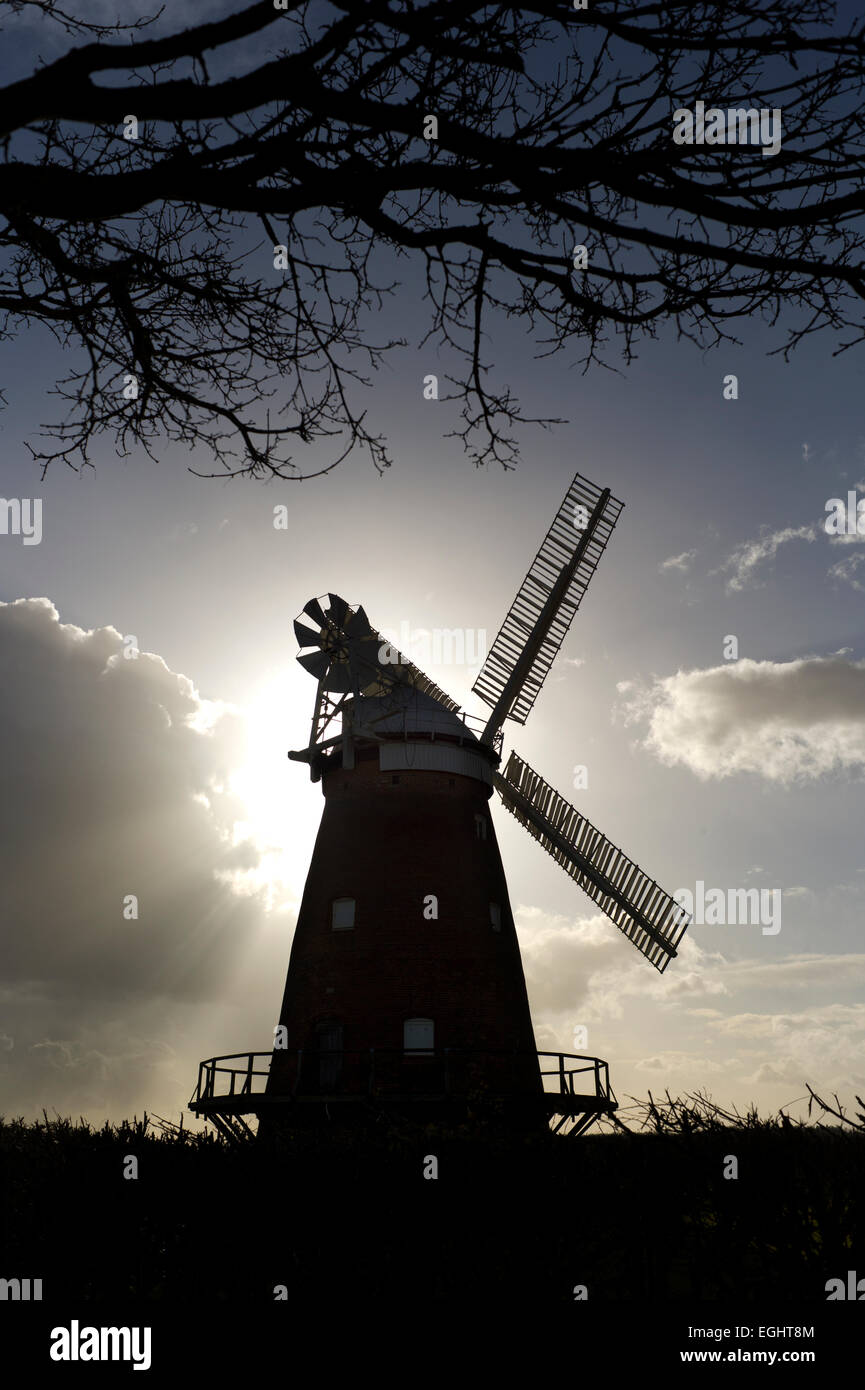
{"type": "Point", "coordinates": [388, 844]}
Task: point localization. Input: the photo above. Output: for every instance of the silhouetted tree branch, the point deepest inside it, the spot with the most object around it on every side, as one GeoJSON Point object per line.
{"type": "Point", "coordinates": [304, 128]}
{"type": "Point", "coordinates": [838, 1109]}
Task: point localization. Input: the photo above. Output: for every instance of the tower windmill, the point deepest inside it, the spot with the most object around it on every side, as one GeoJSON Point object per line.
{"type": "Point", "coordinates": [405, 984]}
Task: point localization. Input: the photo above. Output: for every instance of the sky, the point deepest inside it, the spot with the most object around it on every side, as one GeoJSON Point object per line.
{"type": "Point", "coordinates": [163, 777]}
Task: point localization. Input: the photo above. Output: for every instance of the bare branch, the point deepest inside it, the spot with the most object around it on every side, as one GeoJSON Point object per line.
{"type": "Point", "coordinates": [143, 257]}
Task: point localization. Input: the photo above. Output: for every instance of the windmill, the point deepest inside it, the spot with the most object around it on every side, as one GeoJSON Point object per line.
{"type": "Point", "coordinates": [405, 983]}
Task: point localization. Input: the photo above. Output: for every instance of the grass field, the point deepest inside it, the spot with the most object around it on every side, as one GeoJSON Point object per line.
{"type": "Point", "coordinates": [643, 1215]}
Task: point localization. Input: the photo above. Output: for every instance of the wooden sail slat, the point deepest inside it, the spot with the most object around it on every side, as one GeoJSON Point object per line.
{"type": "Point", "coordinates": [556, 550]}
{"type": "Point", "coordinates": [635, 903]}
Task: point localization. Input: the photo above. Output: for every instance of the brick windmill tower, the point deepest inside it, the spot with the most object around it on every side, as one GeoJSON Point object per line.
{"type": "Point", "coordinates": [405, 986]}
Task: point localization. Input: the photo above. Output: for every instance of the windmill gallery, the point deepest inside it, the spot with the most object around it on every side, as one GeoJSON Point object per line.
{"type": "Point", "coordinates": [387, 1005]}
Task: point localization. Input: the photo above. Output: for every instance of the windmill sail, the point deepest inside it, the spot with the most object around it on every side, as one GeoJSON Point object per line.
{"type": "Point", "coordinates": [648, 916]}
{"type": "Point", "coordinates": [542, 612]}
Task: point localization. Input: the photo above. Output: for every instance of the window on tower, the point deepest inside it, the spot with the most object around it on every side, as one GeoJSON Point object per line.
{"type": "Point", "coordinates": [495, 916]}
{"type": "Point", "coordinates": [418, 1036]}
{"type": "Point", "coordinates": [342, 914]}
{"type": "Point", "coordinates": [328, 1043]}
{"type": "Point", "coordinates": [481, 827]}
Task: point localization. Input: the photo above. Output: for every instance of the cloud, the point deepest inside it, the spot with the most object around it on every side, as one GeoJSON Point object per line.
{"type": "Point", "coordinates": [786, 721]}
{"type": "Point", "coordinates": [585, 969]}
{"type": "Point", "coordinates": [561, 956]}
{"type": "Point", "coordinates": [847, 570]}
{"type": "Point", "coordinates": [809, 971]}
{"type": "Point", "coordinates": [788, 1072]}
{"type": "Point", "coordinates": [829, 1037]}
{"type": "Point", "coordinates": [747, 557]}
{"type": "Point", "coordinates": [583, 972]}
{"type": "Point", "coordinates": [681, 562]}
{"type": "Point", "coordinates": [672, 1062]}
{"type": "Point", "coordinates": [113, 782]}
{"type": "Point", "coordinates": [848, 1017]}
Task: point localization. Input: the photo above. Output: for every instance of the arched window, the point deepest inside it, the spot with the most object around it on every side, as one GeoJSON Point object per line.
{"type": "Point", "coordinates": [418, 1036]}
{"type": "Point", "coordinates": [481, 827]}
{"type": "Point", "coordinates": [342, 914]}
{"type": "Point", "coordinates": [495, 917]}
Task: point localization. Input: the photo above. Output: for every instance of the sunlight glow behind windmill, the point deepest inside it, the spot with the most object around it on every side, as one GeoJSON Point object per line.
{"type": "Point", "coordinates": [405, 985]}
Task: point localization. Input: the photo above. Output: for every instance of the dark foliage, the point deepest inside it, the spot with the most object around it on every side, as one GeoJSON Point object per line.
{"type": "Point", "coordinates": [642, 1217]}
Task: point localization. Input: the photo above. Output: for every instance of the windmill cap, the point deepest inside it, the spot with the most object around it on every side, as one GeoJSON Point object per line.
{"type": "Point", "coordinates": [407, 710]}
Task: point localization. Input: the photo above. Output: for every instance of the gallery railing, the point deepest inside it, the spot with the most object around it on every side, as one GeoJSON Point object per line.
{"type": "Point", "coordinates": [310, 1073]}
